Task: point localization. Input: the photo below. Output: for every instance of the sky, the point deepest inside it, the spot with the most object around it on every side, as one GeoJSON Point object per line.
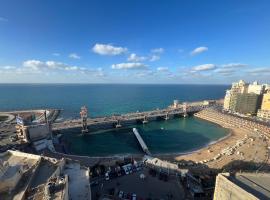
{"type": "Point", "coordinates": [134, 41]}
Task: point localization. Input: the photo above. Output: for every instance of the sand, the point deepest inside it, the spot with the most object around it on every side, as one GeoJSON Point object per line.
{"type": "Point", "coordinates": [253, 151]}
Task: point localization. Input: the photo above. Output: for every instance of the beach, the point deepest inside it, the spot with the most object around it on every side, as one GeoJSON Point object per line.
{"type": "Point", "coordinates": [242, 144]}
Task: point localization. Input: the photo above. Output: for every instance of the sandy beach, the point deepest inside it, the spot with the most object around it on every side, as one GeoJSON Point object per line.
{"type": "Point", "coordinates": [241, 144]}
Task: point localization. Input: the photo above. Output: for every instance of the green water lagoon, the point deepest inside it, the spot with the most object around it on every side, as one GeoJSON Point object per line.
{"type": "Point", "coordinates": [178, 135]}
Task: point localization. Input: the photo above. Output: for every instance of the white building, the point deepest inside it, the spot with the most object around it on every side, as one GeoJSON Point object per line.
{"type": "Point", "coordinates": [256, 88]}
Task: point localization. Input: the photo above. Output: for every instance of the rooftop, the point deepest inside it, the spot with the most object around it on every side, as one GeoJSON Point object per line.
{"type": "Point", "coordinates": [257, 184]}
{"type": "Point", "coordinates": [27, 163]}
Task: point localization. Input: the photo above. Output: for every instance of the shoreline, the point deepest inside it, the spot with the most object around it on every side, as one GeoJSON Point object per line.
{"type": "Point", "coordinates": [234, 147]}
{"type": "Point", "coordinates": [168, 156]}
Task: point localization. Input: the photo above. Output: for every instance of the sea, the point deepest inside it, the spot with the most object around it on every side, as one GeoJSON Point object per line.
{"type": "Point", "coordinates": [178, 135]}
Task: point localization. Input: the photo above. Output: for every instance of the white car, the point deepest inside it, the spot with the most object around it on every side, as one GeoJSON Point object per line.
{"type": "Point", "coordinates": [121, 194]}
{"type": "Point", "coordinates": [107, 176]}
{"type": "Point", "coordinates": [134, 196]}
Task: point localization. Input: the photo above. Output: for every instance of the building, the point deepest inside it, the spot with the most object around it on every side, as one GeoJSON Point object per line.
{"type": "Point", "coordinates": [28, 176]}
{"type": "Point", "coordinates": [245, 98]}
{"type": "Point", "coordinates": [265, 114]}
{"type": "Point", "coordinates": [227, 100]}
{"type": "Point", "coordinates": [230, 98]}
{"type": "Point", "coordinates": [31, 133]}
{"type": "Point", "coordinates": [266, 101]}
{"type": "Point", "coordinates": [256, 88]}
{"type": "Point", "coordinates": [242, 186]}
{"type": "Point", "coordinates": [247, 103]}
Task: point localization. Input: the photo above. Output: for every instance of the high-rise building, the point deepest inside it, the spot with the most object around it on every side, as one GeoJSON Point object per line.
{"type": "Point", "coordinates": [264, 112]}
{"type": "Point", "coordinates": [256, 88]}
{"type": "Point", "coordinates": [245, 98]}
{"type": "Point", "coordinates": [227, 100]}
{"type": "Point", "coordinates": [266, 101]}
{"type": "Point", "coordinates": [230, 98]}
{"type": "Point", "coordinates": [247, 103]}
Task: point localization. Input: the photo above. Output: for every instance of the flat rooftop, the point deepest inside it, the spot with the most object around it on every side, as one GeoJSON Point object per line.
{"type": "Point", "coordinates": [79, 186]}
{"type": "Point", "coordinates": [16, 160]}
{"type": "Point", "coordinates": [257, 184]}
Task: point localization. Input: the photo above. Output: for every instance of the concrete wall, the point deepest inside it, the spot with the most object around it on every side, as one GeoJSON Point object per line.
{"type": "Point", "coordinates": [225, 189]}
{"type": "Point", "coordinates": [38, 132]}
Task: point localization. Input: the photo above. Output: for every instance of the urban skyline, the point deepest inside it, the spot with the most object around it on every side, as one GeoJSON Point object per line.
{"type": "Point", "coordinates": [134, 42]}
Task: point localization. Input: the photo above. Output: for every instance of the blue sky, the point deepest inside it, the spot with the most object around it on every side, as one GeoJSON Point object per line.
{"type": "Point", "coordinates": [134, 41]}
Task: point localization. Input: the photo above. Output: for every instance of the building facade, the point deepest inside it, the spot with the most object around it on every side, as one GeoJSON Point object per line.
{"type": "Point", "coordinates": [265, 114]}
{"type": "Point", "coordinates": [242, 186]}
{"type": "Point", "coordinates": [256, 88]}
{"type": "Point", "coordinates": [266, 101]}
{"type": "Point", "coordinates": [247, 103]}
{"type": "Point", "coordinates": [230, 97]}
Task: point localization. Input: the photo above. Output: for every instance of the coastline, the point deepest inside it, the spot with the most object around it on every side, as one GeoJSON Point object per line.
{"type": "Point", "coordinates": [235, 146]}
{"type": "Point", "coordinates": [168, 156]}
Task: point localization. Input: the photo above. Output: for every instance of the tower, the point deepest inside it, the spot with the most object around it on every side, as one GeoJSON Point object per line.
{"type": "Point", "coordinates": [83, 114]}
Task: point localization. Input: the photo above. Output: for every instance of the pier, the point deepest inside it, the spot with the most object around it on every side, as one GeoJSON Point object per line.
{"type": "Point", "coordinates": [118, 121]}
{"type": "Point", "coordinates": [141, 142]}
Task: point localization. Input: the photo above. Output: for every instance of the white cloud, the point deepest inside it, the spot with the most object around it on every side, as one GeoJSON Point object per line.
{"type": "Point", "coordinates": [48, 65]}
{"type": "Point", "coordinates": [145, 73]}
{"type": "Point", "coordinates": [134, 58]}
{"type": "Point", "coordinates": [74, 56]}
{"type": "Point", "coordinates": [198, 50]}
{"type": "Point", "coordinates": [7, 67]}
{"type": "Point", "coordinates": [37, 66]}
{"type": "Point", "coordinates": [108, 49]}
{"type": "Point", "coordinates": [135, 65]}
{"type": "Point", "coordinates": [163, 69]}
{"type": "Point", "coordinates": [157, 50]}
{"type": "Point", "coordinates": [259, 71]}
{"type": "Point", "coordinates": [234, 65]}
{"type": "Point", "coordinates": [226, 71]}
{"type": "Point", "coordinates": [204, 67]}
{"type": "Point", "coordinates": [154, 58]}
{"type": "Point", "coordinates": [2, 19]}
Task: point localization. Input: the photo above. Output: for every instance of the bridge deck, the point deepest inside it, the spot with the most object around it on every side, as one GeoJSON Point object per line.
{"type": "Point", "coordinates": [140, 140]}
{"type": "Point", "coordinates": [125, 117]}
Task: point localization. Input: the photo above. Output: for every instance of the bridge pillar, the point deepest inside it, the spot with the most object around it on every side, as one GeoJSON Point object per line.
{"type": "Point", "coordinates": [167, 116]}
{"type": "Point", "coordinates": [145, 120]}
{"type": "Point", "coordinates": [118, 125]}
{"type": "Point", "coordinates": [84, 114]}
{"type": "Point", "coordinates": [185, 114]}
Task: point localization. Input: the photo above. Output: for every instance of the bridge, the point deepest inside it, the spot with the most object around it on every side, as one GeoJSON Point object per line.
{"type": "Point", "coordinates": [182, 109]}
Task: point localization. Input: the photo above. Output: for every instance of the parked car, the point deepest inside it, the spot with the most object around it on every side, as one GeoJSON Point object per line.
{"type": "Point", "coordinates": [134, 196]}
{"type": "Point", "coordinates": [107, 176]}
{"type": "Point", "coordinates": [121, 194]}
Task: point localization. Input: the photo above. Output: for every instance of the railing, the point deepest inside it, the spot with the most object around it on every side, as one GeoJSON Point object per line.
{"type": "Point", "coordinates": [127, 117]}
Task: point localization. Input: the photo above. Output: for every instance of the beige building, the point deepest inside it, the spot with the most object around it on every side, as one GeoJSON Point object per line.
{"type": "Point", "coordinates": [266, 101]}
{"type": "Point", "coordinates": [227, 99]}
{"type": "Point", "coordinates": [264, 112]}
{"type": "Point", "coordinates": [31, 133]}
{"type": "Point", "coordinates": [230, 97]}
{"type": "Point", "coordinates": [242, 186]}
{"type": "Point", "coordinates": [256, 88]}
{"type": "Point", "coordinates": [28, 176]}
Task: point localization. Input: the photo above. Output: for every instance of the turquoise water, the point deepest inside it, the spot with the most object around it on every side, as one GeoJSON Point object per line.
{"type": "Point", "coordinates": [173, 136]}
{"type": "Point", "coordinates": [178, 135]}
{"type": "Point", "coordinates": [101, 99]}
